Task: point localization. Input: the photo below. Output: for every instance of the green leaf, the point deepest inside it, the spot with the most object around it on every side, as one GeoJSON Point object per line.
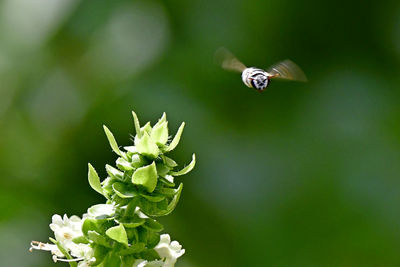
{"type": "Point", "coordinates": [127, 261]}
{"type": "Point", "coordinates": [99, 252]}
{"type": "Point", "coordinates": [114, 173]}
{"type": "Point", "coordinates": [146, 176]}
{"type": "Point", "coordinates": [132, 222]}
{"type": "Point", "coordinates": [80, 239]}
{"type": "Point", "coordinates": [167, 191]}
{"type": "Point", "coordinates": [119, 201]}
{"type": "Point", "coordinates": [112, 141]}
{"type": "Point", "coordinates": [162, 170]}
{"type": "Point", "coordinates": [112, 260]}
{"type": "Point", "coordinates": [153, 239]}
{"type": "Point", "coordinates": [130, 209]}
{"type": "Point", "coordinates": [161, 208]}
{"type": "Point", "coordinates": [118, 234]}
{"type": "Point", "coordinates": [187, 169]}
{"type": "Point", "coordinates": [174, 201]}
{"type": "Point", "coordinates": [107, 186]}
{"type": "Point", "coordinates": [153, 198]}
{"type": "Point", "coordinates": [150, 238]}
{"type": "Point", "coordinates": [122, 190]}
{"type": "Point", "coordinates": [91, 225]}
{"type": "Point", "coordinates": [137, 125]}
{"type": "Point", "coordinates": [161, 120]}
{"type": "Point", "coordinates": [150, 255]}
{"type": "Point", "coordinates": [153, 225]}
{"type": "Point", "coordinates": [166, 181]}
{"type": "Point", "coordinates": [99, 239]}
{"type": "Point", "coordinates": [94, 180]}
{"type": "Point", "coordinates": [134, 248]}
{"type": "Point", "coordinates": [169, 162]}
{"type": "Point", "coordinates": [138, 161]}
{"type": "Point", "coordinates": [146, 146]}
{"type": "Point", "coordinates": [123, 164]}
{"type": "Point", "coordinates": [176, 139]}
{"type": "Point", "coordinates": [159, 133]}
{"type": "Point", "coordinates": [133, 236]}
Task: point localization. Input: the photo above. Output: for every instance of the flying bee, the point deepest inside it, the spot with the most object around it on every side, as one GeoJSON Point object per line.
{"type": "Point", "coordinates": [258, 78]}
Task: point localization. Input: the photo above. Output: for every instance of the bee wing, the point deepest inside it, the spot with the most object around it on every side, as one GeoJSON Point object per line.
{"type": "Point", "coordinates": [228, 61]}
{"type": "Point", "coordinates": [288, 70]}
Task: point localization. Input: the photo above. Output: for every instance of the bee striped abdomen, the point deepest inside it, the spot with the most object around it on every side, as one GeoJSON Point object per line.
{"type": "Point", "coordinates": [255, 78]}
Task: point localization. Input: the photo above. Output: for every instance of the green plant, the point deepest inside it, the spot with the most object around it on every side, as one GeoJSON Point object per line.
{"type": "Point", "coordinates": [123, 231]}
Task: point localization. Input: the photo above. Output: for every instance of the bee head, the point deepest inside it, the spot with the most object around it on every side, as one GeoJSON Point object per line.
{"type": "Point", "coordinates": [255, 78]}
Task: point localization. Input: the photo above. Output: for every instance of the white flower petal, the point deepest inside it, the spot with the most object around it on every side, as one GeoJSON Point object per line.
{"type": "Point", "coordinates": [170, 251]}
{"type": "Point", "coordinates": [101, 209]}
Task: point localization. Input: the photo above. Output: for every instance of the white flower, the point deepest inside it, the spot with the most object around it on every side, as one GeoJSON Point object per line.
{"type": "Point", "coordinates": [169, 251]}
{"type": "Point", "coordinates": [66, 229]}
{"type": "Point", "coordinates": [81, 251]}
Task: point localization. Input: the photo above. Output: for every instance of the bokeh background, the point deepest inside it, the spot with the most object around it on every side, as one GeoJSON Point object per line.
{"type": "Point", "coordinates": [300, 175]}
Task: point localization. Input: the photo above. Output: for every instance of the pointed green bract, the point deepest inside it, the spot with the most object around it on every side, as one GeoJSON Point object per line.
{"type": "Point", "coordinates": [146, 176]}
{"type": "Point", "coordinates": [153, 198]}
{"type": "Point", "coordinates": [112, 141]}
{"type": "Point", "coordinates": [169, 162]}
{"type": "Point", "coordinates": [137, 125]}
{"type": "Point", "coordinates": [133, 222]}
{"type": "Point", "coordinates": [114, 173]}
{"type": "Point", "coordinates": [146, 128]}
{"type": "Point", "coordinates": [187, 169]}
{"type": "Point", "coordinates": [162, 169]}
{"type": "Point", "coordinates": [123, 191]}
{"type": "Point", "coordinates": [159, 133]}
{"type": "Point", "coordinates": [98, 239]}
{"type": "Point", "coordinates": [123, 164]}
{"type": "Point", "coordinates": [171, 205]}
{"type": "Point", "coordinates": [174, 201]}
{"type": "Point", "coordinates": [176, 139]}
{"type": "Point", "coordinates": [118, 234]}
{"type": "Point", "coordinates": [94, 179]}
{"type": "Point", "coordinates": [138, 161]}
{"type": "Point", "coordinates": [161, 120]}
{"type": "Point", "coordinates": [146, 146]}
{"type": "Point", "coordinates": [80, 239]}
{"type": "Point", "coordinates": [153, 225]}
{"type": "Point", "coordinates": [91, 225]}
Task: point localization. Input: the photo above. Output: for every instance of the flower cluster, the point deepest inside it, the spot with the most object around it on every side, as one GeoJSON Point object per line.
{"type": "Point", "coordinates": [123, 231]}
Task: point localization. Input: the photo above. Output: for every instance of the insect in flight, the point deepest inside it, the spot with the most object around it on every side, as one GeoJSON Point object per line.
{"type": "Point", "coordinates": [258, 78]}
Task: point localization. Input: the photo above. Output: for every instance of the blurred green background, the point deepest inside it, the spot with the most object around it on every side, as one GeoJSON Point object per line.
{"type": "Point", "coordinates": [301, 175]}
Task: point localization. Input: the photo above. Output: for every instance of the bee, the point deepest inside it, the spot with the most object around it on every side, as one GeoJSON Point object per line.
{"type": "Point", "coordinates": [256, 78]}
